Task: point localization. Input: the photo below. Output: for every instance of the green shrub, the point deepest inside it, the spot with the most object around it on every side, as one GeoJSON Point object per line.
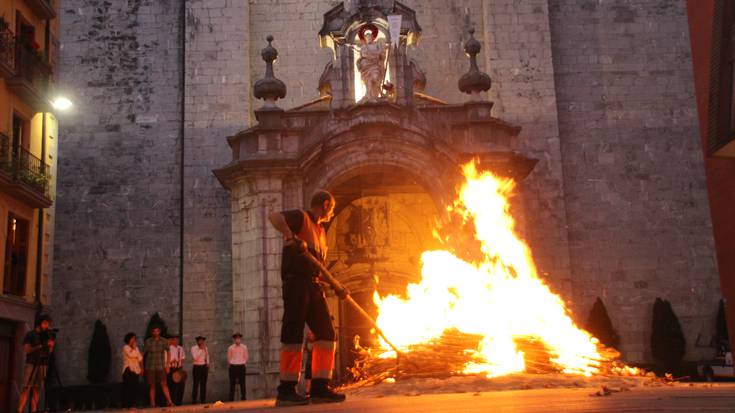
{"type": "Point", "coordinates": [98, 360]}
{"type": "Point", "coordinates": [156, 320]}
{"type": "Point", "coordinates": [722, 338]}
{"type": "Point", "coordinates": [600, 325]}
{"type": "Point", "coordinates": [668, 345]}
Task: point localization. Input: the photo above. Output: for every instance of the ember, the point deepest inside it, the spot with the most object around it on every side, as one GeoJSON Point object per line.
{"type": "Point", "coordinates": [492, 317]}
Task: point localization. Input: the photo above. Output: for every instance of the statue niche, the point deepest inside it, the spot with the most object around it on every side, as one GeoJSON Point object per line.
{"type": "Point", "coordinates": [372, 62]}
{"type": "Point", "coordinates": [369, 54]}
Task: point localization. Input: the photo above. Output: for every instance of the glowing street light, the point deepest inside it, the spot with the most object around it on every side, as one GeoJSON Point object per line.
{"type": "Point", "coordinates": [61, 103]}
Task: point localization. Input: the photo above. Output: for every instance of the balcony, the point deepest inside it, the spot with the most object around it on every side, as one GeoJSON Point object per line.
{"type": "Point", "coordinates": [45, 9]}
{"type": "Point", "coordinates": [7, 52]}
{"type": "Point", "coordinates": [23, 175]}
{"type": "Point", "coordinates": [31, 77]}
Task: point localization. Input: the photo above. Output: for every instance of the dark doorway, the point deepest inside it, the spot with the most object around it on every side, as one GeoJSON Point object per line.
{"type": "Point", "coordinates": [16, 256]}
{"type": "Point", "coordinates": [7, 350]}
{"type": "Point", "coordinates": [382, 224]}
{"type": "Point", "coordinates": [353, 326]}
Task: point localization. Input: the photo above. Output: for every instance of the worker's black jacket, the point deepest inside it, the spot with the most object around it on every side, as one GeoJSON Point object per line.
{"type": "Point", "coordinates": [303, 224]}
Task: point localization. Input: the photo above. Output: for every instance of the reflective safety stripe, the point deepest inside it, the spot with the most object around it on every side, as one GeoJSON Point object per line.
{"type": "Point", "coordinates": [290, 365]}
{"type": "Point", "coordinates": [322, 359]}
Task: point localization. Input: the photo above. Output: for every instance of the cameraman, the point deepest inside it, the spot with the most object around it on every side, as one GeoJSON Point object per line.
{"type": "Point", "coordinates": [38, 345]}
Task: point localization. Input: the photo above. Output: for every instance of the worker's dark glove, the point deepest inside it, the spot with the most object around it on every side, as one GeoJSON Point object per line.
{"type": "Point", "coordinates": [297, 244]}
{"type": "Point", "coordinates": [342, 292]}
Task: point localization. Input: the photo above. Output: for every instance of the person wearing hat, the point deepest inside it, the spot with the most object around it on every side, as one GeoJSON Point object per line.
{"type": "Point", "coordinates": [237, 357]}
{"type": "Point", "coordinates": [176, 375]}
{"type": "Point", "coordinates": [200, 370]}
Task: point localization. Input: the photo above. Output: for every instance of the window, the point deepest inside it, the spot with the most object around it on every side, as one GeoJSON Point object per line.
{"type": "Point", "coordinates": [16, 256]}
{"type": "Point", "coordinates": [721, 128]}
{"type": "Point", "coordinates": [25, 32]}
{"type": "Point", "coordinates": [21, 138]}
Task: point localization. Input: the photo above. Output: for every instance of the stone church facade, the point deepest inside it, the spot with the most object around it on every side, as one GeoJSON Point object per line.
{"type": "Point", "coordinates": [591, 108]}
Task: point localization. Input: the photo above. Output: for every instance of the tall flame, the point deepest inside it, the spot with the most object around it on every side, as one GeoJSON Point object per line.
{"type": "Point", "coordinates": [501, 298]}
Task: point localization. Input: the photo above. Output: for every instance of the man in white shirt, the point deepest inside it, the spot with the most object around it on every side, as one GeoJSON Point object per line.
{"type": "Point", "coordinates": [237, 357]}
{"type": "Point", "coordinates": [175, 366]}
{"type": "Point", "coordinates": [200, 370]}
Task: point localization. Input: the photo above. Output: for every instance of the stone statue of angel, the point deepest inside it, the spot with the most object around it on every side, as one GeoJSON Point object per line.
{"type": "Point", "coordinates": [372, 60]}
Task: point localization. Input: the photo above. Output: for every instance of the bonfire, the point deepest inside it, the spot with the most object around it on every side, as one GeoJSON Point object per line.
{"type": "Point", "coordinates": [491, 315]}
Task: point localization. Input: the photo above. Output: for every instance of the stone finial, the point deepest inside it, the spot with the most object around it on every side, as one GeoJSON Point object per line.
{"type": "Point", "coordinates": [474, 81]}
{"type": "Point", "coordinates": [269, 88]}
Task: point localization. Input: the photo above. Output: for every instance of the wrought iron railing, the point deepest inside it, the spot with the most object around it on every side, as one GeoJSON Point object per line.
{"type": "Point", "coordinates": [7, 47]}
{"type": "Point", "coordinates": [24, 166]}
{"type": "Point", "coordinates": [6, 164]}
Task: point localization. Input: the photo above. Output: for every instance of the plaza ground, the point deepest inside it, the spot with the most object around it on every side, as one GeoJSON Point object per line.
{"type": "Point", "coordinates": [679, 398]}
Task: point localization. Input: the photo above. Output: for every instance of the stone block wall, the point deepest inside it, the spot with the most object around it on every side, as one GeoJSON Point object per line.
{"type": "Point", "coordinates": [217, 90]}
{"type": "Point", "coordinates": [517, 53]}
{"type": "Point", "coordinates": [116, 241]}
{"type": "Point", "coordinates": [294, 24]}
{"type": "Point", "coordinates": [639, 225]}
{"type": "Point", "coordinates": [256, 289]}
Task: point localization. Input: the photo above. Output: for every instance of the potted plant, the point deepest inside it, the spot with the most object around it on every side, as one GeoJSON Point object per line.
{"type": "Point", "coordinates": [32, 178]}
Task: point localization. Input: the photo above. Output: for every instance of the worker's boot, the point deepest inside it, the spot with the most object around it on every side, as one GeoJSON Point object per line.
{"type": "Point", "coordinates": [322, 393]}
{"type": "Point", "coordinates": [287, 395]}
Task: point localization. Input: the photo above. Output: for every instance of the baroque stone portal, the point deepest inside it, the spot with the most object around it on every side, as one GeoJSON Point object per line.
{"type": "Point", "coordinates": [391, 160]}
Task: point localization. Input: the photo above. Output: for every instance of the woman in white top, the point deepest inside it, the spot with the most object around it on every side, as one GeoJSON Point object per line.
{"type": "Point", "coordinates": [132, 368]}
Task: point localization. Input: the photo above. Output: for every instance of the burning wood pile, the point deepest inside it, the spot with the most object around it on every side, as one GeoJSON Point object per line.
{"type": "Point", "coordinates": [443, 357]}
{"type": "Point", "coordinates": [493, 316]}
{"type": "Point", "coordinates": [453, 351]}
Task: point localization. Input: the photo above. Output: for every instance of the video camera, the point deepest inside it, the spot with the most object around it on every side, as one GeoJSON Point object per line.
{"type": "Point", "coordinates": [49, 334]}
{"type": "Point", "coordinates": [45, 336]}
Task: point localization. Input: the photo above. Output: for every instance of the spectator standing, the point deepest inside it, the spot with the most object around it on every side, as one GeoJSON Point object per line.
{"type": "Point", "coordinates": [176, 377]}
{"type": "Point", "coordinates": [155, 357]}
{"type": "Point", "coordinates": [38, 344]}
{"type": "Point", "coordinates": [237, 357]}
{"type": "Point", "coordinates": [200, 370]}
{"type": "Point", "coordinates": [132, 369]}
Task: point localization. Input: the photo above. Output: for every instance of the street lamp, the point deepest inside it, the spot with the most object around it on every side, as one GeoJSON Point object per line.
{"type": "Point", "coordinates": [61, 103]}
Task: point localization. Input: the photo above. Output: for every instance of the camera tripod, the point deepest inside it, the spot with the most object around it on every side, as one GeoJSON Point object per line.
{"type": "Point", "coordinates": [36, 370]}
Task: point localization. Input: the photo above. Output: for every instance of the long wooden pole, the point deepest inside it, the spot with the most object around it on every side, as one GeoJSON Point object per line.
{"type": "Point", "coordinates": [331, 280]}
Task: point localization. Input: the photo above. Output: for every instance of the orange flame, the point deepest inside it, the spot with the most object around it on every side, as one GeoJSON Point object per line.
{"type": "Point", "coordinates": [501, 298]}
